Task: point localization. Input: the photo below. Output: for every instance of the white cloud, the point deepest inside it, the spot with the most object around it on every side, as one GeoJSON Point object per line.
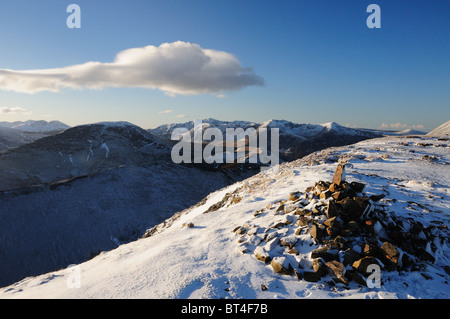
{"type": "Point", "coordinates": [174, 68]}
{"type": "Point", "coordinates": [13, 110]}
{"type": "Point", "coordinates": [181, 116]}
{"type": "Point", "coordinates": [398, 125]}
{"type": "Point", "coordinates": [165, 112]}
{"type": "Point", "coordinates": [418, 126]}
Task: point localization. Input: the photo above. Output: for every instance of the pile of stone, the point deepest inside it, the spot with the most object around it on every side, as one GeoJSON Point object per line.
{"type": "Point", "coordinates": [333, 229]}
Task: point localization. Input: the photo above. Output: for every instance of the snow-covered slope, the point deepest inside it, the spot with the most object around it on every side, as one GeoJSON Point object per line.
{"type": "Point", "coordinates": [32, 126]}
{"type": "Point", "coordinates": [10, 138]}
{"type": "Point", "coordinates": [198, 252]}
{"type": "Point", "coordinates": [442, 130]}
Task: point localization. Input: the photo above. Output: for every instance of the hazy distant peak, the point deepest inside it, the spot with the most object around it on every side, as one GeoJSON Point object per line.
{"type": "Point", "coordinates": [33, 126]}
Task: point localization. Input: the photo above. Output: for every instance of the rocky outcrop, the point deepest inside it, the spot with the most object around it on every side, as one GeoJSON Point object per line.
{"type": "Point", "coordinates": [334, 231]}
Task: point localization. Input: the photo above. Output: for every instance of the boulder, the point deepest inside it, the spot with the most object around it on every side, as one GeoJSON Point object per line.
{"type": "Point", "coordinates": [324, 252]}
{"type": "Point", "coordinates": [278, 225]}
{"type": "Point", "coordinates": [289, 208]}
{"type": "Point", "coordinates": [390, 252]}
{"type": "Point", "coordinates": [334, 187]}
{"type": "Point", "coordinates": [317, 233]}
{"type": "Point", "coordinates": [309, 189]}
{"type": "Point", "coordinates": [330, 222]}
{"type": "Point", "coordinates": [370, 249]}
{"type": "Point", "coordinates": [311, 276]}
{"type": "Point", "coordinates": [325, 194]}
{"type": "Point", "coordinates": [290, 219]}
{"type": "Point", "coordinates": [362, 264]}
{"type": "Point", "coordinates": [289, 241]}
{"type": "Point", "coordinates": [332, 210]}
{"type": "Point", "coordinates": [339, 195]}
{"type": "Point", "coordinates": [336, 270]}
{"type": "Point", "coordinates": [294, 196]}
{"type": "Point", "coordinates": [281, 266]}
{"type": "Point", "coordinates": [350, 256]}
{"type": "Point", "coordinates": [322, 186]}
{"type": "Point", "coordinates": [241, 230]}
{"type": "Point", "coordinates": [262, 255]}
{"type": "Point", "coordinates": [303, 221]}
{"type": "Point", "coordinates": [319, 267]}
{"type": "Point", "coordinates": [356, 277]}
{"type": "Point", "coordinates": [272, 244]}
{"type": "Point", "coordinates": [339, 174]}
{"type": "Point", "coordinates": [339, 242]}
{"type": "Point", "coordinates": [352, 209]}
{"type": "Point", "coordinates": [357, 187]}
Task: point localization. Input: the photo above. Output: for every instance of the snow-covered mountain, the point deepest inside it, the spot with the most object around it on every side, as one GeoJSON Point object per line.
{"type": "Point", "coordinates": [164, 131]}
{"type": "Point", "coordinates": [296, 140]}
{"type": "Point", "coordinates": [217, 248]}
{"type": "Point", "coordinates": [13, 134]}
{"type": "Point", "coordinates": [32, 126]}
{"type": "Point", "coordinates": [66, 197]}
{"type": "Point", "coordinates": [78, 151]}
{"type": "Point", "coordinates": [442, 130]}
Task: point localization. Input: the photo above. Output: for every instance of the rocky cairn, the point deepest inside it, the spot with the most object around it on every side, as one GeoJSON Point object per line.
{"type": "Point", "coordinates": [335, 233]}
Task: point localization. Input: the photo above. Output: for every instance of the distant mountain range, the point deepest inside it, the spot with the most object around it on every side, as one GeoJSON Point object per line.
{"type": "Point", "coordinates": [36, 126]}
{"type": "Point", "coordinates": [13, 134]}
{"type": "Point", "coordinates": [296, 140]}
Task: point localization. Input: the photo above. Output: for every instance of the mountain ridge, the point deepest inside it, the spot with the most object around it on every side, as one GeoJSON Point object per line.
{"type": "Point", "coordinates": [198, 252]}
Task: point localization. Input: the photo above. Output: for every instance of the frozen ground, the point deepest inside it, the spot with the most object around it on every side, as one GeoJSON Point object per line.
{"type": "Point", "coordinates": [204, 261]}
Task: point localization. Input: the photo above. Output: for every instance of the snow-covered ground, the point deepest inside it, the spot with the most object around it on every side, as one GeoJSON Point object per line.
{"type": "Point", "coordinates": [204, 261]}
{"type": "Point", "coordinates": [442, 130]}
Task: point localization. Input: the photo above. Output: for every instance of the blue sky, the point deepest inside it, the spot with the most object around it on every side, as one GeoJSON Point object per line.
{"type": "Point", "coordinates": [318, 59]}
